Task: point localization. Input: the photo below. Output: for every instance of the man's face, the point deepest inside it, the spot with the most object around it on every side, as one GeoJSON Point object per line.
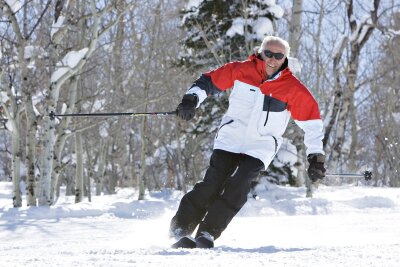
{"type": "Point", "coordinates": [271, 56]}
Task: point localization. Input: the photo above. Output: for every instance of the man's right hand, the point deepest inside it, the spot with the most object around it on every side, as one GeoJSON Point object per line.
{"type": "Point", "coordinates": [187, 108]}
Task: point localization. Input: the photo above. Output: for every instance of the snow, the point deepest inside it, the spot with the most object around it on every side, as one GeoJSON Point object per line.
{"type": "Point", "coordinates": [236, 28]}
{"type": "Point", "coordinates": [9, 126]}
{"type": "Point", "coordinates": [57, 25]}
{"type": "Point", "coordinates": [15, 5]}
{"type": "Point", "coordinates": [34, 51]}
{"type": "Point", "coordinates": [96, 106]}
{"type": "Point", "coordinates": [69, 62]}
{"type": "Point", "coordinates": [396, 116]}
{"type": "Point", "coordinates": [103, 129]}
{"type": "Point", "coordinates": [193, 4]}
{"type": "Point", "coordinates": [63, 108]}
{"type": "Point", "coordinates": [267, 2]}
{"type": "Point", "coordinates": [277, 11]}
{"type": "Point", "coordinates": [295, 65]}
{"type": "Point", "coordinates": [363, 33]}
{"type": "Point", "coordinates": [391, 32]}
{"type": "Point", "coordinates": [262, 27]}
{"type": "Point", "coordinates": [3, 97]}
{"type": "Point", "coordinates": [340, 226]}
{"type": "Point", "coordinates": [287, 154]}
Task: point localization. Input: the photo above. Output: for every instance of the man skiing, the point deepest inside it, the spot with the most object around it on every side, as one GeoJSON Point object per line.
{"type": "Point", "coordinates": [265, 94]}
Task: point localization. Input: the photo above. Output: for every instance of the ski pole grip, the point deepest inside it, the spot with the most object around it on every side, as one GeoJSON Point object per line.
{"type": "Point", "coordinates": [52, 115]}
{"type": "Point", "coordinates": [367, 175]}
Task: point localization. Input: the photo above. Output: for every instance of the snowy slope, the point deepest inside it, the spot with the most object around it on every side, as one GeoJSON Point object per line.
{"type": "Point", "coordinates": [340, 226]}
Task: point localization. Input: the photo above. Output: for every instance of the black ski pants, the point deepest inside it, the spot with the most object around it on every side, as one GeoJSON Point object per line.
{"type": "Point", "coordinates": [213, 202]}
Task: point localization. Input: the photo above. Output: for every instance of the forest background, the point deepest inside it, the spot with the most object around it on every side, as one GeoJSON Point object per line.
{"type": "Point", "coordinates": [86, 56]}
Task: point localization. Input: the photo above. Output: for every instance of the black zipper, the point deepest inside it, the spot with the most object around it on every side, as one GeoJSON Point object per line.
{"type": "Point", "coordinates": [276, 144]}
{"type": "Point", "coordinates": [226, 123]}
{"type": "Point", "coordinates": [269, 106]}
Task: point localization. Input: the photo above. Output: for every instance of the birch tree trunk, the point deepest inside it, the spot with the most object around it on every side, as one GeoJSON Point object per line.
{"type": "Point", "coordinates": [360, 33]}
{"type": "Point", "coordinates": [181, 181]}
{"type": "Point", "coordinates": [62, 136]}
{"type": "Point", "coordinates": [295, 27]}
{"type": "Point", "coordinates": [146, 87]}
{"type": "Point", "coordinates": [101, 167]}
{"type": "Point", "coordinates": [141, 178]}
{"type": "Point", "coordinates": [14, 115]}
{"type": "Point", "coordinates": [79, 168]}
{"type": "Point", "coordinates": [31, 129]}
{"type": "Point", "coordinates": [296, 133]}
{"type": "Point", "coordinates": [338, 91]}
{"type": "Point", "coordinates": [16, 163]}
{"type": "Point", "coordinates": [63, 72]}
{"type": "Point", "coordinates": [13, 119]}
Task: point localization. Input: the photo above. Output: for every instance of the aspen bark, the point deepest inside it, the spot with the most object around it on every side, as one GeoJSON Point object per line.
{"type": "Point", "coordinates": [79, 168]}
{"type": "Point", "coordinates": [361, 32]}
{"type": "Point", "coordinates": [295, 29]}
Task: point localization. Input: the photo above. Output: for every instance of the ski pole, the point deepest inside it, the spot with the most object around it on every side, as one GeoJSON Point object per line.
{"type": "Point", "coordinates": [52, 115]}
{"type": "Point", "coordinates": [367, 175]}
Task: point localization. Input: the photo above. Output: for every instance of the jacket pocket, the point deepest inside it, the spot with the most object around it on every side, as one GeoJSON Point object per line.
{"type": "Point", "coordinates": [273, 118]}
{"type": "Point", "coordinates": [222, 125]}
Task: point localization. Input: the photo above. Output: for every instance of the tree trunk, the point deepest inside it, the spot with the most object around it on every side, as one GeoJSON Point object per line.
{"type": "Point", "coordinates": [53, 97]}
{"type": "Point", "coordinates": [79, 168]}
{"type": "Point", "coordinates": [16, 164]}
{"type": "Point", "coordinates": [31, 129]}
{"type": "Point", "coordinates": [44, 191]}
{"type": "Point", "coordinates": [354, 137]}
{"type": "Point", "coordinates": [30, 161]}
{"type": "Point", "coordinates": [141, 178]}
{"type": "Point", "coordinates": [101, 167]}
{"type": "Point", "coordinates": [295, 29]}
{"type": "Point", "coordinates": [21, 37]}
{"type": "Point", "coordinates": [181, 181]}
{"type": "Point", "coordinates": [361, 31]}
{"type": "Point", "coordinates": [154, 42]}
{"type": "Point", "coordinates": [61, 139]}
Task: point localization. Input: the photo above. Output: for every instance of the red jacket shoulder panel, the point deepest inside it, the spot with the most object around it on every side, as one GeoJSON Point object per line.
{"type": "Point", "coordinates": [249, 71]}
{"type": "Point", "coordinates": [303, 104]}
{"type": "Point", "coordinates": [289, 89]}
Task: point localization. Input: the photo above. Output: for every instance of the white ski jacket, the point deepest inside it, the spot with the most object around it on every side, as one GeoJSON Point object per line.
{"type": "Point", "coordinates": [259, 109]}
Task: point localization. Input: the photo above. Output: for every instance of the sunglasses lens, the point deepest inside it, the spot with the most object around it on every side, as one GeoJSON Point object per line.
{"type": "Point", "coordinates": [269, 54]}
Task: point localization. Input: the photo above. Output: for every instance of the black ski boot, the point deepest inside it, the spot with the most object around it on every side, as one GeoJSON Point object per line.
{"type": "Point", "coordinates": [204, 240]}
{"type": "Point", "coordinates": [185, 242]}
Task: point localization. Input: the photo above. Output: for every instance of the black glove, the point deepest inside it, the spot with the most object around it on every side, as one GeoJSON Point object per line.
{"type": "Point", "coordinates": [187, 108]}
{"type": "Point", "coordinates": [316, 170]}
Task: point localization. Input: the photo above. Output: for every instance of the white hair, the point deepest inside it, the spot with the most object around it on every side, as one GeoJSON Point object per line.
{"type": "Point", "coordinates": [268, 39]}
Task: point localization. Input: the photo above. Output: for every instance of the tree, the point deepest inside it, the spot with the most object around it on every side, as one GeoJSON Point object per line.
{"type": "Point", "coordinates": [360, 31]}
{"type": "Point", "coordinates": [381, 120]}
{"type": "Point", "coordinates": [22, 83]}
{"type": "Point", "coordinates": [295, 132]}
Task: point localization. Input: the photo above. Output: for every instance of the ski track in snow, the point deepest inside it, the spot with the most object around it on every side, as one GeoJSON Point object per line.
{"type": "Point", "coordinates": [340, 226]}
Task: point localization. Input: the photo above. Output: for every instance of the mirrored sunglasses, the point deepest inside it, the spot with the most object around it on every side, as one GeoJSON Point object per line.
{"type": "Point", "coordinates": [270, 54]}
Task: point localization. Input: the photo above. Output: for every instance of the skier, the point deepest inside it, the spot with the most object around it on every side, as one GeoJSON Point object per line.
{"type": "Point", "coordinates": [264, 95]}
